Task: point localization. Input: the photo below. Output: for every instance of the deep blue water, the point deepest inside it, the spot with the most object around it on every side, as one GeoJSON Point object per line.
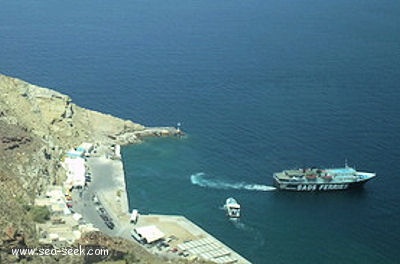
{"type": "Point", "coordinates": [259, 86]}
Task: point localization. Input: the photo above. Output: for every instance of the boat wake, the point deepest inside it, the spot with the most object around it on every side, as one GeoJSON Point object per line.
{"type": "Point", "coordinates": [240, 225]}
{"type": "Point", "coordinates": [201, 180]}
{"type": "Point", "coordinates": [255, 233]}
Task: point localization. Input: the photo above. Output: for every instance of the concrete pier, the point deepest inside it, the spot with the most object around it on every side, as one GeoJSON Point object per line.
{"type": "Point", "coordinates": [190, 240]}
{"type": "Point", "coordinates": [183, 237]}
{"type": "Point", "coordinates": [159, 131]}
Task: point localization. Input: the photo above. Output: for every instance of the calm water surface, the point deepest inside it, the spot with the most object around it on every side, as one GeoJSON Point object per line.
{"type": "Point", "coordinates": [259, 86]}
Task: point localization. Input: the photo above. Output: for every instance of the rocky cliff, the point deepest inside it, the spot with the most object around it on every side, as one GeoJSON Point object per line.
{"type": "Point", "coordinates": [53, 116]}
{"type": "Point", "coordinates": [37, 126]}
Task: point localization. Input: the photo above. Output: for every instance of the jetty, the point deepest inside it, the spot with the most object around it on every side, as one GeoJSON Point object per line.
{"type": "Point", "coordinates": [159, 132]}
{"type": "Point", "coordinates": [171, 236]}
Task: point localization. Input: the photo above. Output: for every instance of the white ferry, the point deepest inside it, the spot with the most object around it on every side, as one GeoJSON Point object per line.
{"type": "Point", "coordinates": [315, 179]}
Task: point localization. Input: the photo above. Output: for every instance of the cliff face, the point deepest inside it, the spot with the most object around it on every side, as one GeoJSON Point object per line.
{"type": "Point", "coordinates": [37, 126]}
{"type": "Point", "coordinates": [53, 117]}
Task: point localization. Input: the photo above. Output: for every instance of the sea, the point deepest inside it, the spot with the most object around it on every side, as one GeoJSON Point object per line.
{"type": "Point", "coordinates": [258, 86]}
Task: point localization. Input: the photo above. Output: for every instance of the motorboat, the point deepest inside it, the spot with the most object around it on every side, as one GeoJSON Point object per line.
{"type": "Point", "coordinates": [232, 208]}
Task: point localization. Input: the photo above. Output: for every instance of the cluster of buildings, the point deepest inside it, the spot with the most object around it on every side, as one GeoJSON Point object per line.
{"type": "Point", "coordinates": [65, 226]}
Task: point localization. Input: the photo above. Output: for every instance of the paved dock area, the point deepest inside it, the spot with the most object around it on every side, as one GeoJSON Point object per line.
{"type": "Point", "coordinates": [189, 240]}
{"type": "Point", "coordinates": [106, 195]}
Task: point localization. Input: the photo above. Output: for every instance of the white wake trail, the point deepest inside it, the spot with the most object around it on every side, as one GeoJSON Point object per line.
{"type": "Point", "coordinates": [201, 180]}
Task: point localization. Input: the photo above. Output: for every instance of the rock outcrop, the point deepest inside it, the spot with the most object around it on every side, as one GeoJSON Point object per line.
{"type": "Point", "coordinates": [53, 116]}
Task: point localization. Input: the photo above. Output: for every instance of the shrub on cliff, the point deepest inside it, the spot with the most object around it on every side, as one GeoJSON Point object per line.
{"type": "Point", "coordinates": [40, 214]}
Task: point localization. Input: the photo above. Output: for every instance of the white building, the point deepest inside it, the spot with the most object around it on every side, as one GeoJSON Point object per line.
{"type": "Point", "coordinates": [147, 234]}
{"type": "Point", "coordinates": [75, 168]}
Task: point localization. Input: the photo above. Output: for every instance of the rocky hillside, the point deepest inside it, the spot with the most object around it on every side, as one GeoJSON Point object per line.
{"type": "Point", "coordinates": [37, 125]}
{"type": "Point", "coordinates": [53, 117]}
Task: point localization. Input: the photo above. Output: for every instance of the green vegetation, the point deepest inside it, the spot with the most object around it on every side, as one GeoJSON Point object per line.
{"type": "Point", "coordinates": [131, 258]}
{"type": "Point", "coordinates": [40, 214]}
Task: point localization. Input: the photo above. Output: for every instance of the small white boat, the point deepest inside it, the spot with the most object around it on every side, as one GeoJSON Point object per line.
{"type": "Point", "coordinates": [232, 208]}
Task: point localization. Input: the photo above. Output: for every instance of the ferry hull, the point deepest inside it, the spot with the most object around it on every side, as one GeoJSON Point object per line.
{"type": "Point", "coordinates": [318, 187]}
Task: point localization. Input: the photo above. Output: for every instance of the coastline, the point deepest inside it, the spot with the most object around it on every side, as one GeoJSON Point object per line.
{"type": "Point", "coordinates": [98, 204]}
{"type": "Point", "coordinates": [182, 237]}
{"type": "Point", "coordinates": [40, 128]}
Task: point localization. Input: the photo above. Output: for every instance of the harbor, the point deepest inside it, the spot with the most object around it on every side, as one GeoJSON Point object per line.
{"type": "Point", "coordinates": [260, 86]}
{"type": "Point", "coordinates": [103, 202]}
